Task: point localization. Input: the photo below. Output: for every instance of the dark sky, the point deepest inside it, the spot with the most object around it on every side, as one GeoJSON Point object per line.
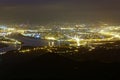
{"type": "Point", "coordinates": [49, 11]}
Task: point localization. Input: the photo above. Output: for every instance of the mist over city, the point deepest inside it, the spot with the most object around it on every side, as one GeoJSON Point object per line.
{"type": "Point", "coordinates": [55, 11]}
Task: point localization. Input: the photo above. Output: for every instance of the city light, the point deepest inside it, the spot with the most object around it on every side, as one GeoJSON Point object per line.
{"type": "Point", "coordinates": [73, 36]}
{"type": "Point", "coordinates": [50, 38]}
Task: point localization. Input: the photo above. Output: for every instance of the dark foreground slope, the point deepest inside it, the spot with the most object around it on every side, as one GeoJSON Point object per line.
{"type": "Point", "coordinates": [53, 66]}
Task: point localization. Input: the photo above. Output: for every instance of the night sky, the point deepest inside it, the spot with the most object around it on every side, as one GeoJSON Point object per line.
{"type": "Point", "coordinates": [50, 11]}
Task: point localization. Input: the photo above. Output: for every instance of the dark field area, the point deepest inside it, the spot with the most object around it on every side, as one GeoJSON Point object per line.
{"type": "Point", "coordinates": [104, 65]}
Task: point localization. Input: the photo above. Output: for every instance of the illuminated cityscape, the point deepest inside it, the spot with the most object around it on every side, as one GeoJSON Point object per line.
{"type": "Point", "coordinates": [78, 42]}
{"type": "Point", "coordinates": [60, 39]}
{"type": "Point", "coordinates": [67, 36]}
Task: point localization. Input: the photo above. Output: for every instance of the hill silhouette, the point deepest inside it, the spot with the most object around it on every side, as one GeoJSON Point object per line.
{"type": "Point", "coordinates": [53, 66]}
